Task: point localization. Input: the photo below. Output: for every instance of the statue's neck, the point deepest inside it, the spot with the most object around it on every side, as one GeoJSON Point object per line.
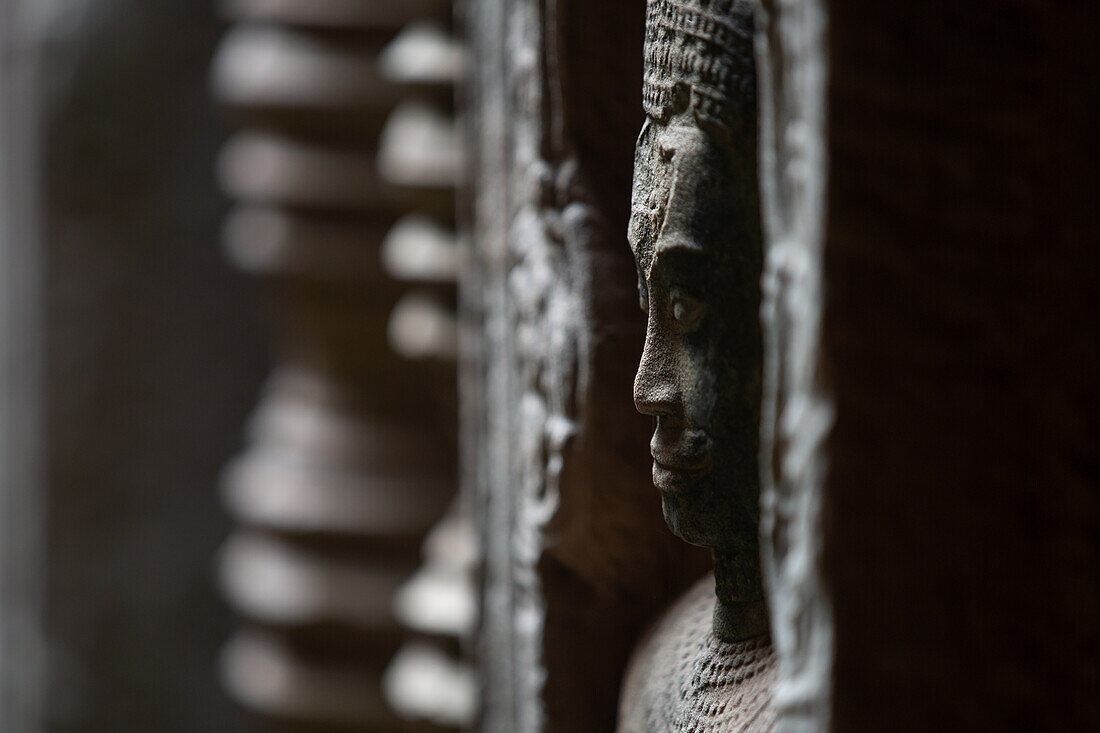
{"type": "Point", "coordinates": [740, 612]}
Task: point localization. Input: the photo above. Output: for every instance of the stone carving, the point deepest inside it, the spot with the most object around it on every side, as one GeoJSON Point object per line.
{"type": "Point", "coordinates": [798, 408]}
{"type": "Point", "coordinates": [557, 465]}
{"type": "Point", "coordinates": [344, 180]}
{"type": "Point", "coordinates": [695, 233]}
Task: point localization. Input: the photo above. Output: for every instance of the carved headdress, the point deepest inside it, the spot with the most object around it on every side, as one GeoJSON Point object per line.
{"type": "Point", "coordinates": [700, 53]}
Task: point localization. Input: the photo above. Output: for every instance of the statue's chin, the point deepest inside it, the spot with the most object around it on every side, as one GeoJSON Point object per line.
{"type": "Point", "coordinates": [688, 521]}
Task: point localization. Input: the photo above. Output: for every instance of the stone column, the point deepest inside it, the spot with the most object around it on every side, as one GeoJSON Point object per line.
{"type": "Point", "coordinates": [798, 408]}
{"type": "Point", "coordinates": [343, 175]}
{"type": "Point", "coordinates": [932, 311]}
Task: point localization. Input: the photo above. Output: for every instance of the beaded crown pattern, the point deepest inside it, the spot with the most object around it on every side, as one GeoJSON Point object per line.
{"type": "Point", "coordinates": [700, 52]}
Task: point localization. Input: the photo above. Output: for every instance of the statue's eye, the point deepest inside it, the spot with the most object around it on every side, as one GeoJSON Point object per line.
{"type": "Point", "coordinates": [643, 295]}
{"type": "Point", "coordinates": [687, 311]}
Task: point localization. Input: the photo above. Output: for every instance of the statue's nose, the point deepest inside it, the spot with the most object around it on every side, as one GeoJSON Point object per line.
{"type": "Point", "coordinates": [655, 386]}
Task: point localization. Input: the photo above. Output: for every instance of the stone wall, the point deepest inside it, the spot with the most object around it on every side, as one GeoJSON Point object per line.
{"type": "Point", "coordinates": [960, 321]}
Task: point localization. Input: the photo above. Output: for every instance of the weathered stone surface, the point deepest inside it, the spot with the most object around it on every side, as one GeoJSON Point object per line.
{"type": "Point", "coordinates": [798, 408]}
{"type": "Point", "coordinates": [576, 557]}
{"type": "Point", "coordinates": [695, 233]}
{"type": "Point", "coordinates": [712, 685]}
{"type": "Point", "coordinates": [931, 517]}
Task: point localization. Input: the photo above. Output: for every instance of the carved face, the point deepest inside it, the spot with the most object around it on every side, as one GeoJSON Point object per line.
{"type": "Point", "coordinates": [694, 230]}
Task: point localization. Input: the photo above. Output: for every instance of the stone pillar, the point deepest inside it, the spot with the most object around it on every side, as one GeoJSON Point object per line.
{"type": "Point", "coordinates": [797, 408]}
{"type": "Point", "coordinates": [932, 280]}
{"type": "Point", "coordinates": [343, 175]}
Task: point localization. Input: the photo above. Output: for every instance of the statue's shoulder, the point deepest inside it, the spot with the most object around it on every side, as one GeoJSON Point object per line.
{"type": "Point", "coordinates": [664, 659]}
{"type": "Point", "coordinates": [682, 678]}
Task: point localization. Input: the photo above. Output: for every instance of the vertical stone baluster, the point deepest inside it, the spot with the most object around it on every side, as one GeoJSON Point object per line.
{"type": "Point", "coordinates": [350, 455]}
{"type": "Point", "coordinates": [428, 681]}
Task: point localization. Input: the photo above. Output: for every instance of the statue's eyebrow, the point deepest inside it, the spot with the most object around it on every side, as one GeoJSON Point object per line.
{"type": "Point", "coordinates": [684, 258]}
{"type": "Point", "coordinates": [681, 251]}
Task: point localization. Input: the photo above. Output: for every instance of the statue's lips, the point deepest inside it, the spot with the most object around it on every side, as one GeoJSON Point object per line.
{"type": "Point", "coordinates": [681, 454]}
{"type": "Point", "coordinates": [681, 450]}
{"type": "Point", "coordinates": [672, 470]}
{"type": "Point", "coordinates": [667, 478]}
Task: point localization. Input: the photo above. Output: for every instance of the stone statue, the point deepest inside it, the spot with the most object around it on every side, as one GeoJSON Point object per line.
{"type": "Point", "coordinates": [695, 231]}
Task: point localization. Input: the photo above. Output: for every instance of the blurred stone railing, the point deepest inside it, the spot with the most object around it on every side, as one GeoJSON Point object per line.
{"type": "Point", "coordinates": [343, 174]}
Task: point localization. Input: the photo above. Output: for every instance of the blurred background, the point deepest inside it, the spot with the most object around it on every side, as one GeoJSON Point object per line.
{"type": "Point", "coordinates": [131, 354]}
{"type": "Point", "coordinates": [150, 579]}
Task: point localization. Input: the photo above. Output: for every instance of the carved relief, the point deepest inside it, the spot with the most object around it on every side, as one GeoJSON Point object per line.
{"type": "Point", "coordinates": [695, 234]}
{"type": "Point", "coordinates": [799, 409]}
{"type": "Point", "coordinates": [559, 470]}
